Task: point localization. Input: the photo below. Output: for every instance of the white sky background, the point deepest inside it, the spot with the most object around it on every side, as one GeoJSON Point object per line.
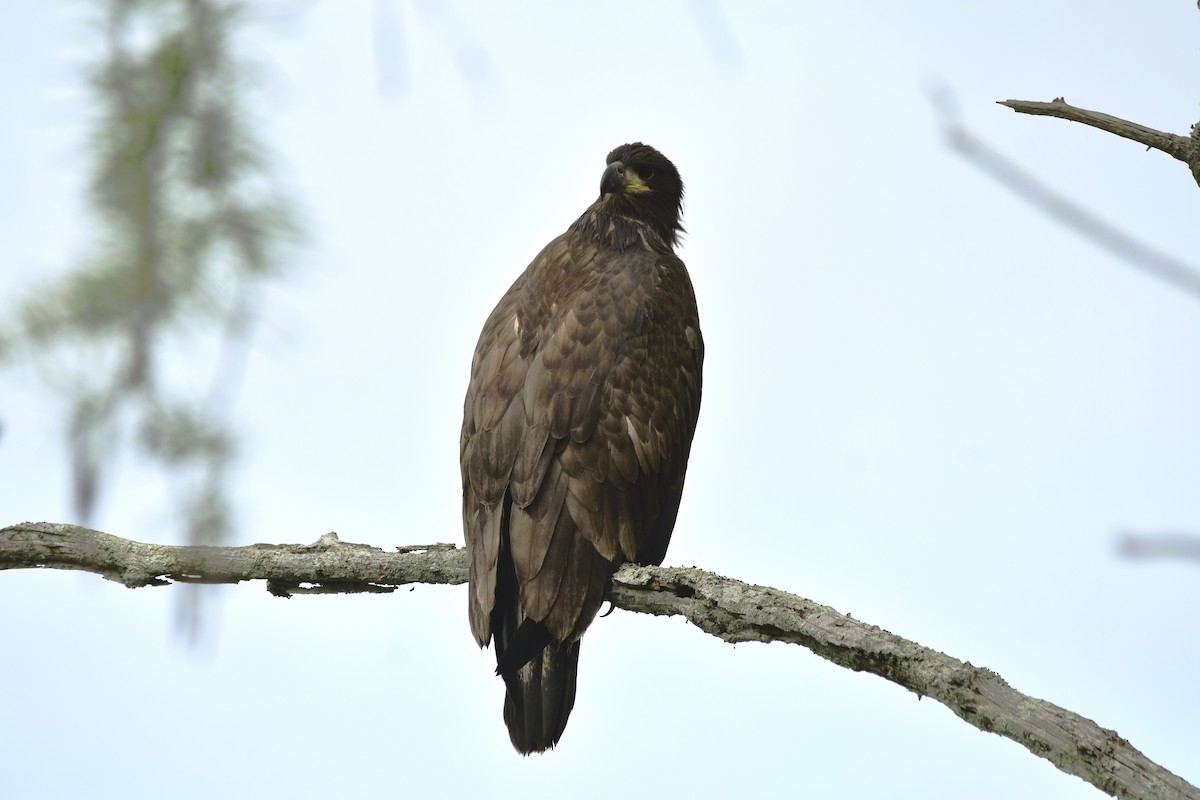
{"type": "Point", "coordinates": [926, 404]}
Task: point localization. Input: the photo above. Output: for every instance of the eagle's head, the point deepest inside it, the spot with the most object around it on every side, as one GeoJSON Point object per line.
{"type": "Point", "coordinates": [642, 184]}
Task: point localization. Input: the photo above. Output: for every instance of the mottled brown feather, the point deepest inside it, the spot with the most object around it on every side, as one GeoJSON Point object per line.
{"type": "Point", "coordinates": [578, 421]}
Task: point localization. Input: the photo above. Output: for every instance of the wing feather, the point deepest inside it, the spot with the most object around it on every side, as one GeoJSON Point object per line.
{"type": "Point", "coordinates": [534, 527]}
{"type": "Point", "coordinates": [583, 397]}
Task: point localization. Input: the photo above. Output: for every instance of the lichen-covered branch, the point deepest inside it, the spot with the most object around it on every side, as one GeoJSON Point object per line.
{"type": "Point", "coordinates": [729, 609]}
{"type": "Point", "coordinates": [327, 565]}
{"type": "Point", "coordinates": [738, 612]}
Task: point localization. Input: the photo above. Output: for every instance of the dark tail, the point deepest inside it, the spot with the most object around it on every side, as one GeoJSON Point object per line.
{"type": "Point", "coordinates": [540, 697]}
{"type": "Point", "coordinates": [539, 672]}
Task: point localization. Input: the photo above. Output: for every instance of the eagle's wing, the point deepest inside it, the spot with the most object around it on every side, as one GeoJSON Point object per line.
{"type": "Point", "coordinates": [584, 394]}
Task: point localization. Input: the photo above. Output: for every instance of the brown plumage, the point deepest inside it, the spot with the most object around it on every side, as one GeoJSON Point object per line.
{"type": "Point", "coordinates": [578, 421]}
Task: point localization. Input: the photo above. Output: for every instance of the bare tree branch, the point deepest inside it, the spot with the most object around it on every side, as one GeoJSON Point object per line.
{"type": "Point", "coordinates": [1029, 187]}
{"type": "Point", "coordinates": [1178, 147]}
{"type": "Point", "coordinates": [728, 609]}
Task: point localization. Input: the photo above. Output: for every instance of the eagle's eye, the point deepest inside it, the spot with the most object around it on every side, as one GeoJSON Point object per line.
{"type": "Point", "coordinates": [646, 173]}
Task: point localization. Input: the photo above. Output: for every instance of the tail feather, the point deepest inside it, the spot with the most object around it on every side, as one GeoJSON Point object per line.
{"type": "Point", "coordinates": [540, 697]}
{"type": "Point", "coordinates": [516, 649]}
{"type": "Point", "coordinates": [538, 670]}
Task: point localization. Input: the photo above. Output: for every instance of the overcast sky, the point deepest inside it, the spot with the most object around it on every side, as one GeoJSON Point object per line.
{"type": "Point", "coordinates": [926, 404]}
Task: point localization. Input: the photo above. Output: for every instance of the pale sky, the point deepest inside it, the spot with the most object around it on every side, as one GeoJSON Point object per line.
{"type": "Point", "coordinates": [926, 404]}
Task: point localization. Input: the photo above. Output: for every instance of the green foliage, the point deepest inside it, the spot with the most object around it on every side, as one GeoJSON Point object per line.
{"type": "Point", "coordinates": [190, 232]}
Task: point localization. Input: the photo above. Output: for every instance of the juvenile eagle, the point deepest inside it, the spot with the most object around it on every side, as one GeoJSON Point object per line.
{"type": "Point", "coordinates": [578, 421]}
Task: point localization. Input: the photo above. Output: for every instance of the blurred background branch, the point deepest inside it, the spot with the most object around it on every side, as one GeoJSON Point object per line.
{"type": "Point", "coordinates": [143, 342]}
{"type": "Point", "coordinates": [190, 230]}
{"type": "Point", "coordinates": [1180, 546]}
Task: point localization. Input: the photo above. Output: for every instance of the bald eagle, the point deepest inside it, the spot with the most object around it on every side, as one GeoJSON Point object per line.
{"type": "Point", "coordinates": [578, 421]}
